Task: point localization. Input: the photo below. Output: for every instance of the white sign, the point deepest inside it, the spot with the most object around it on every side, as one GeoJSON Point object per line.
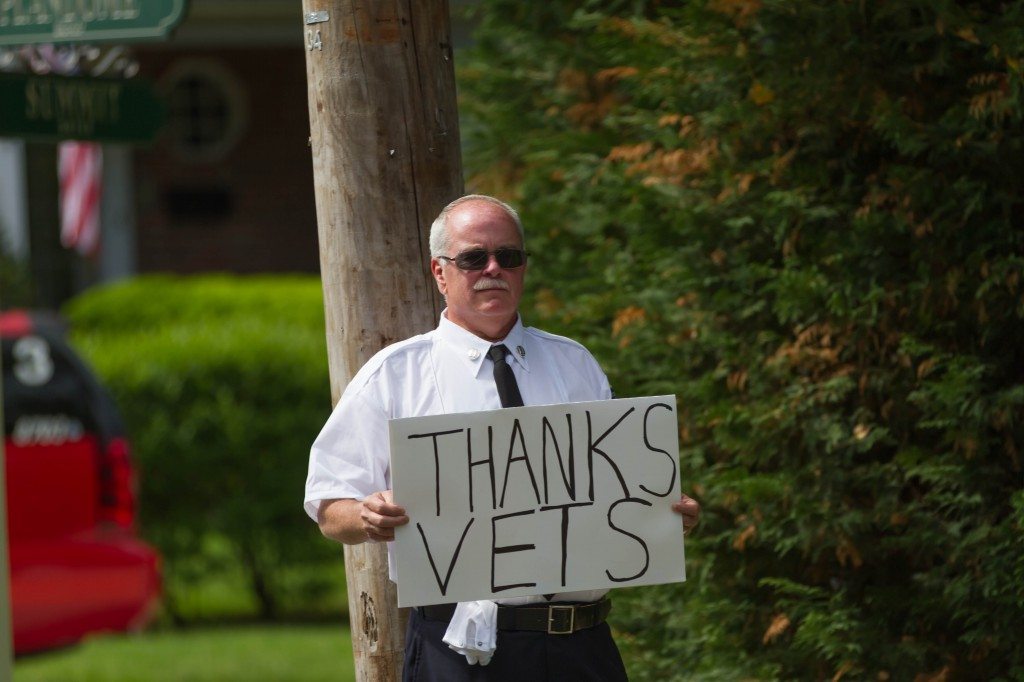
{"type": "Point", "coordinates": [537, 500]}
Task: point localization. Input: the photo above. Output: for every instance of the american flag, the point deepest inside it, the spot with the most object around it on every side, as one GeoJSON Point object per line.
{"type": "Point", "coordinates": [80, 166]}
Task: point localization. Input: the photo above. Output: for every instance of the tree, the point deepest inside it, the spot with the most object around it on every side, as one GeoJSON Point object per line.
{"type": "Point", "coordinates": [804, 219]}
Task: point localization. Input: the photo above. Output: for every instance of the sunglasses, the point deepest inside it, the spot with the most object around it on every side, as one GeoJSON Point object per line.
{"type": "Point", "coordinates": [476, 259]}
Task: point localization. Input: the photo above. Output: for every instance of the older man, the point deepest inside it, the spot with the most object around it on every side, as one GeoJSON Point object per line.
{"type": "Point", "coordinates": [480, 357]}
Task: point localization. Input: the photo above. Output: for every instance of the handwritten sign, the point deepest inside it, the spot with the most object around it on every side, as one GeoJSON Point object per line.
{"type": "Point", "coordinates": [537, 500]}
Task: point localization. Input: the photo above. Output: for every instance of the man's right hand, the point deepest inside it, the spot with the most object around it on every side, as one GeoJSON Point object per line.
{"type": "Point", "coordinates": [380, 516]}
{"type": "Point", "coordinates": [374, 518]}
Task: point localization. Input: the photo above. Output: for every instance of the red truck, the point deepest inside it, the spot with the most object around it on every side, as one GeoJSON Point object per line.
{"type": "Point", "coordinates": [77, 565]}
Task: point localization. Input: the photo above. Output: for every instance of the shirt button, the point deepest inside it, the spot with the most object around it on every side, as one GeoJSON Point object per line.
{"type": "Point", "coordinates": [473, 354]}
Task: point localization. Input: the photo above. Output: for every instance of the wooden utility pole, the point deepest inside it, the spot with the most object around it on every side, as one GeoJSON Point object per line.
{"type": "Point", "coordinates": [386, 159]}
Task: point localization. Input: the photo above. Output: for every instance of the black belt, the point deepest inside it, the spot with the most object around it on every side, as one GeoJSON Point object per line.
{"type": "Point", "coordinates": [554, 619]}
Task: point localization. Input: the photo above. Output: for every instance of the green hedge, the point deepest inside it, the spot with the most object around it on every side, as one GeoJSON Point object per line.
{"type": "Point", "coordinates": [223, 384]}
{"type": "Point", "coordinates": [16, 289]}
{"type": "Point", "coordinates": [805, 220]}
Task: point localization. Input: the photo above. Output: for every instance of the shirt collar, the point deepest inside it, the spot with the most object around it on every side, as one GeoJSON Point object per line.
{"type": "Point", "coordinates": [474, 349]}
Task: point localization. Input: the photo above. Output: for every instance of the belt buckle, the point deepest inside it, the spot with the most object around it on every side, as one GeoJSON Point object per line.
{"type": "Point", "coordinates": [552, 610]}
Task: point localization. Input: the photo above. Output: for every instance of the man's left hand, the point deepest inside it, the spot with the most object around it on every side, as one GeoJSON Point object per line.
{"type": "Point", "coordinates": [690, 509]}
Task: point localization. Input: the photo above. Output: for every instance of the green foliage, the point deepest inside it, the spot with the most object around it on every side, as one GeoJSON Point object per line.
{"type": "Point", "coordinates": [15, 281]}
{"type": "Point", "coordinates": [223, 384]}
{"type": "Point", "coordinates": [803, 219]}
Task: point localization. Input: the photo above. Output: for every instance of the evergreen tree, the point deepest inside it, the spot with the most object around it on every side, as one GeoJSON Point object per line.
{"type": "Point", "coordinates": [804, 220]}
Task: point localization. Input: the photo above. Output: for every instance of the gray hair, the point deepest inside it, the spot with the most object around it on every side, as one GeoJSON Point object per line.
{"type": "Point", "coordinates": [440, 241]}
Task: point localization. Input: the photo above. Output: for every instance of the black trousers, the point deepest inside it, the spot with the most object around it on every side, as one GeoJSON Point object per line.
{"type": "Point", "coordinates": [586, 655]}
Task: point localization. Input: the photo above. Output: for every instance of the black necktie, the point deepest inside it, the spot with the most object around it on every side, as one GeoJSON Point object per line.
{"type": "Point", "coordinates": [508, 389]}
{"type": "Point", "coordinates": [504, 379]}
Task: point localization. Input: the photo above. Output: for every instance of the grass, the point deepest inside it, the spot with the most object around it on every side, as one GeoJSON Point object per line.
{"type": "Point", "coordinates": [210, 585]}
{"type": "Point", "coordinates": [218, 596]}
{"type": "Point", "coordinates": [271, 653]}
{"type": "Point", "coordinates": [223, 639]}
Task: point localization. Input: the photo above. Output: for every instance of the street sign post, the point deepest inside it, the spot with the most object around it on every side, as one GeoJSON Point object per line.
{"type": "Point", "coordinates": [27, 22]}
{"type": "Point", "coordinates": [54, 108]}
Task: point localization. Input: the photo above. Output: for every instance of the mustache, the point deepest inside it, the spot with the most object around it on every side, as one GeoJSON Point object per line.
{"type": "Point", "coordinates": [485, 283]}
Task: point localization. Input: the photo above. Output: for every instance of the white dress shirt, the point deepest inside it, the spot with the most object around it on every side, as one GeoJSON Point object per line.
{"type": "Point", "coordinates": [441, 372]}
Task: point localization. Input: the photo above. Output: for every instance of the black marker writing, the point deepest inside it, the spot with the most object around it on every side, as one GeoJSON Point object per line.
{"type": "Point", "coordinates": [437, 463]}
{"type": "Point", "coordinates": [592, 448]}
{"type": "Point", "coordinates": [496, 550]}
{"type": "Point", "coordinates": [565, 530]}
{"type": "Point", "coordinates": [489, 461]}
{"type": "Point", "coordinates": [671, 459]}
{"type": "Point", "coordinates": [517, 429]}
{"type": "Point", "coordinates": [570, 481]}
{"type": "Point", "coordinates": [443, 585]}
{"type": "Point", "coordinates": [647, 553]}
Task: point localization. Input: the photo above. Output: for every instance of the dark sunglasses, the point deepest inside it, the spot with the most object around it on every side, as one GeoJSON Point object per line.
{"type": "Point", "coordinates": [476, 259]}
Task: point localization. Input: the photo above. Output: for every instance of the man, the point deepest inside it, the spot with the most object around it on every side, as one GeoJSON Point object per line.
{"type": "Point", "coordinates": [478, 261]}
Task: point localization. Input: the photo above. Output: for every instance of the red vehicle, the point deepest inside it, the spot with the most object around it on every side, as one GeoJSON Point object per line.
{"type": "Point", "coordinates": [76, 564]}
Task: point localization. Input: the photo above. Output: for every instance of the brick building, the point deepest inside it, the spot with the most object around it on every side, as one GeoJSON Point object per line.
{"type": "Point", "coordinates": [227, 184]}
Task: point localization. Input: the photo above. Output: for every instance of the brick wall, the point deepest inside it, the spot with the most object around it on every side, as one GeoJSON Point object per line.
{"type": "Point", "coordinates": [249, 209]}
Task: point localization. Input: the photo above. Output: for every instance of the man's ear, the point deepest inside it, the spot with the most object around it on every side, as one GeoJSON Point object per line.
{"type": "Point", "coordinates": [437, 271]}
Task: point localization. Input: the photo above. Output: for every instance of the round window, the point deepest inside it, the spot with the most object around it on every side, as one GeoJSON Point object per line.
{"type": "Point", "coordinates": [205, 110]}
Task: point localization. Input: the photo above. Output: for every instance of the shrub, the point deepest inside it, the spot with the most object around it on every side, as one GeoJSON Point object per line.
{"type": "Point", "coordinates": [223, 384]}
{"type": "Point", "coordinates": [804, 219]}
{"type": "Point", "coordinates": [15, 279]}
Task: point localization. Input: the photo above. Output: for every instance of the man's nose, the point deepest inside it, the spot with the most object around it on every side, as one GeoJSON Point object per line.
{"type": "Point", "coordinates": [492, 266]}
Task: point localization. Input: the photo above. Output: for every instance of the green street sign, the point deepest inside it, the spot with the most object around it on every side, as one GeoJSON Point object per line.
{"type": "Point", "coordinates": [53, 108]}
{"type": "Point", "coordinates": [25, 22]}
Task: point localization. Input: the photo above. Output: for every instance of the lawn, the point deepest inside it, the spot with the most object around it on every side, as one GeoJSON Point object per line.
{"type": "Point", "coordinates": [271, 653]}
